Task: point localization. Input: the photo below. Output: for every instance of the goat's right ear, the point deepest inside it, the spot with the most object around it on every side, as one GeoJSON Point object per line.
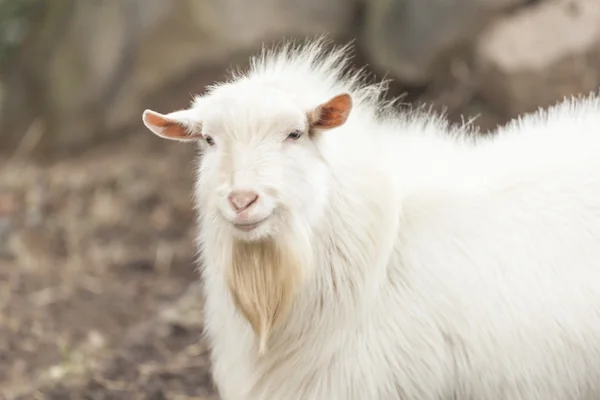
{"type": "Point", "coordinates": [177, 125]}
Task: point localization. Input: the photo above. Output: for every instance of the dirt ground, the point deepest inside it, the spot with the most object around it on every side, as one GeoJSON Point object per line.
{"type": "Point", "coordinates": [91, 248]}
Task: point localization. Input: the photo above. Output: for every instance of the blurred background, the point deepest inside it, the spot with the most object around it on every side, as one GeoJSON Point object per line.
{"type": "Point", "coordinates": [98, 290]}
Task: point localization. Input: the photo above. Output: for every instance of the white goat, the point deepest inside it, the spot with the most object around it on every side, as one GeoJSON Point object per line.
{"type": "Point", "coordinates": [351, 252]}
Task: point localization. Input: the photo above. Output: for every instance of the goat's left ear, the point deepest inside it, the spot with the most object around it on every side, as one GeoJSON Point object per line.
{"type": "Point", "coordinates": [332, 113]}
{"type": "Point", "coordinates": [178, 125]}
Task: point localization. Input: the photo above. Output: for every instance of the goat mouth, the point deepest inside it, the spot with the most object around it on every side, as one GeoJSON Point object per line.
{"type": "Point", "coordinates": [249, 226]}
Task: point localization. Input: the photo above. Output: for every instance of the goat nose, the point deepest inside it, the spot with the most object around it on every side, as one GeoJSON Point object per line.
{"type": "Point", "coordinates": [241, 200]}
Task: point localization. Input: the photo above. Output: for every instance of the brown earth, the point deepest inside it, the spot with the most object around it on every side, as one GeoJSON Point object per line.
{"type": "Point", "coordinates": [90, 248]}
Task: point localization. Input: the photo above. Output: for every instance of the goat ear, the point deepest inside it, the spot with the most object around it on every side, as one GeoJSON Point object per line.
{"type": "Point", "coordinates": [177, 125]}
{"type": "Point", "coordinates": [331, 114]}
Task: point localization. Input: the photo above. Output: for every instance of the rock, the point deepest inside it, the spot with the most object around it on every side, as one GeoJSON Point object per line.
{"type": "Point", "coordinates": [540, 55]}
{"type": "Point", "coordinates": [411, 38]}
{"type": "Point", "coordinates": [89, 68]}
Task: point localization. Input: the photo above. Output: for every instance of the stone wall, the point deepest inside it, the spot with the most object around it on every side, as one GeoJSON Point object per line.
{"type": "Point", "coordinates": [85, 70]}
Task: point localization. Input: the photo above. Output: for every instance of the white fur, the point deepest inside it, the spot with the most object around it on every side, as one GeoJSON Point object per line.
{"type": "Point", "coordinates": [444, 265]}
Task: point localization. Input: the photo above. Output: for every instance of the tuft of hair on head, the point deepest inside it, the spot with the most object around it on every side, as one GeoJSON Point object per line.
{"type": "Point", "coordinates": [318, 68]}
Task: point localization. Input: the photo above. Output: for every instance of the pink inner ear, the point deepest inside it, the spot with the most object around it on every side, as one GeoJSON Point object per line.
{"type": "Point", "coordinates": [157, 120]}
{"type": "Point", "coordinates": [335, 112]}
{"type": "Point", "coordinates": [169, 128]}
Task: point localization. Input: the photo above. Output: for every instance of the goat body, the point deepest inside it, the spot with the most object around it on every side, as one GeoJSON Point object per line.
{"type": "Point", "coordinates": [427, 262]}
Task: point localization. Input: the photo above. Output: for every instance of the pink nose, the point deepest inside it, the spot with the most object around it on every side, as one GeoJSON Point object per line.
{"type": "Point", "coordinates": [241, 200]}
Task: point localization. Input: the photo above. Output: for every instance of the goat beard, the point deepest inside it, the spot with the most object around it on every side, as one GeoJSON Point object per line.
{"type": "Point", "coordinates": [263, 278]}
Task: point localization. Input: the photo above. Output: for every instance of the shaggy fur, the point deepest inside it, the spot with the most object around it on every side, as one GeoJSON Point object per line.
{"type": "Point", "coordinates": [401, 257]}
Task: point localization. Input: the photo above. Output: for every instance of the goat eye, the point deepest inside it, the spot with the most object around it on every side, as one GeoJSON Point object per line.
{"type": "Point", "coordinates": [295, 135]}
{"type": "Point", "coordinates": [209, 140]}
